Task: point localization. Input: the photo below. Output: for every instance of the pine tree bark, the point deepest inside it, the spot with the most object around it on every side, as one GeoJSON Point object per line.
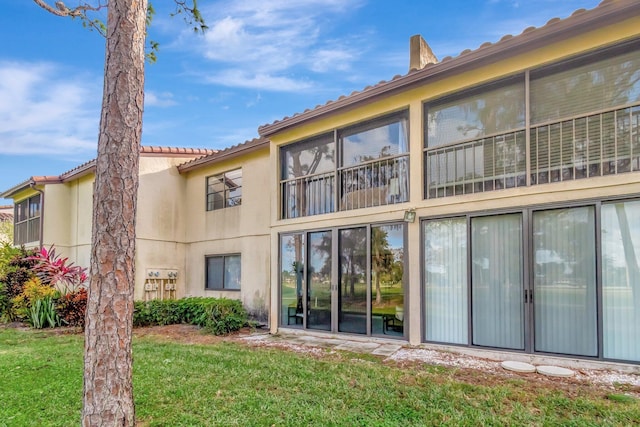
{"type": "Point", "coordinates": [108, 390]}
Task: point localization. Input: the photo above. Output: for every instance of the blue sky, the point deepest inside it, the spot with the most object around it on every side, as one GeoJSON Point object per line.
{"type": "Point", "coordinates": [260, 61]}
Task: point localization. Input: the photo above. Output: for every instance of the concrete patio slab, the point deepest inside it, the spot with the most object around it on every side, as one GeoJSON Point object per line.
{"type": "Point", "coordinates": [515, 366]}
{"type": "Point", "coordinates": [386, 350]}
{"type": "Point", "coordinates": [555, 371]}
{"type": "Point", "coordinates": [364, 347]}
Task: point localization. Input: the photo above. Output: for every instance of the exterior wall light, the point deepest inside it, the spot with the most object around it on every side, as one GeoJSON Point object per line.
{"type": "Point", "coordinates": [409, 216]}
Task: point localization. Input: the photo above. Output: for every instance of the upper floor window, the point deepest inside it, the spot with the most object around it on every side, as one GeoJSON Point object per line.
{"type": "Point", "coordinates": [360, 166]}
{"type": "Point", "coordinates": [476, 141]}
{"type": "Point", "coordinates": [583, 120]}
{"type": "Point", "coordinates": [27, 220]}
{"type": "Point", "coordinates": [308, 171]}
{"type": "Point", "coordinates": [224, 190]}
{"type": "Point", "coordinates": [374, 163]}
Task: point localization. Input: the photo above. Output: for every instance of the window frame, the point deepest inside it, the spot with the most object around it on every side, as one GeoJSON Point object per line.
{"type": "Point", "coordinates": [210, 205]}
{"type": "Point", "coordinates": [27, 221]}
{"type": "Point", "coordinates": [223, 281]}
{"type": "Point", "coordinates": [288, 185]}
{"type": "Point", "coordinates": [440, 163]}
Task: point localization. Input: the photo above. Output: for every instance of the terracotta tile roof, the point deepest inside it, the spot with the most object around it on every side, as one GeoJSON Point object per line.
{"type": "Point", "coordinates": [78, 171]}
{"type": "Point", "coordinates": [89, 167]}
{"type": "Point", "coordinates": [6, 217]}
{"type": "Point", "coordinates": [581, 21]}
{"type": "Point", "coordinates": [177, 151]}
{"type": "Point", "coordinates": [227, 153]}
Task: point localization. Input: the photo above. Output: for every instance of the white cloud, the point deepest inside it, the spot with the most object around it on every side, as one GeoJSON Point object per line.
{"type": "Point", "coordinates": [163, 99]}
{"type": "Point", "coordinates": [47, 110]}
{"type": "Point", "coordinates": [270, 39]}
{"type": "Point", "coordinates": [257, 80]}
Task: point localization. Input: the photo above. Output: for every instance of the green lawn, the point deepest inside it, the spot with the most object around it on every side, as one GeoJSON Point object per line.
{"type": "Point", "coordinates": [229, 384]}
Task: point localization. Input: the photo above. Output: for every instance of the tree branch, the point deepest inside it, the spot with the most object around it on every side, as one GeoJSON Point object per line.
{"type": "Point", "coordinates": [80, 11]}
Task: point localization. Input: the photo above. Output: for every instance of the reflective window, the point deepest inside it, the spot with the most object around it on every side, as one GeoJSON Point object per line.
{"type": "Point", "coordinates": [224, 190]}
{"type": "Point", "coordinates": [223, 272]}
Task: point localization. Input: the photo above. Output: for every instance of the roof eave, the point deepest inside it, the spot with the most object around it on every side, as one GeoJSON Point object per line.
{"type": "Point", "coordinates": [79, 172]}
{"type": "Point", "coordinates": [223, 155]}
{"type": "Point", "coordinates": [29, 183]}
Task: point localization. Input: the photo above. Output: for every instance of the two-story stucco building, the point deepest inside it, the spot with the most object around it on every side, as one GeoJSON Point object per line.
{"type": "Point", "coordinates": [486, 201]}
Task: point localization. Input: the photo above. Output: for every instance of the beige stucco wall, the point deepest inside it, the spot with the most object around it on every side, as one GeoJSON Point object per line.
{"type": "Point", "coordinates": [160, 221]}
{"type": "Point", "coordinates": [240, 230]}
{"type": "Point", "coordinates": [625, 184]}
{"type": "Point", "coordinates": [160, 227]}
{"type": "Point", "coordinates": [67, 218]}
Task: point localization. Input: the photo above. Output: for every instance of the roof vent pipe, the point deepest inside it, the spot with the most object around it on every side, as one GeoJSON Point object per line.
{"type": "Point", "coordinates": [420, 54]}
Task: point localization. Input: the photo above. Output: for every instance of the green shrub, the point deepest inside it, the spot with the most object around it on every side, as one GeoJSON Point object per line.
{"type": "Point", "coordinates": [5, 305]}
{"type": "Point", "coordinates": [157, 312]}
{"type": "Point", "coordinates": [71, 307]}
{"type": "Point", "coordinates": [32, 291]}
{"type": "Point", "coordinates": [42, 314]}
{"type": "Point", "coordinates": [7, 253]}
{"type": "Point", "coordinates": [216, 315]}
{"type": "Point", "coordinates": [16, 271]}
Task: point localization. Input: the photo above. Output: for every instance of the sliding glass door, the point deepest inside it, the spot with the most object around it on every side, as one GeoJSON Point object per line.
{"type": "Point", "coordinates": [564, 281]}
{"type": "Point", "coordinates": [621, 280]}
{"type": "Point", "coordinates": [445, 280]}
{"type": "Point", "coordinates": [497, 281]}
{"type": "Point", "coordinates": [387, 279]}
{"type": "Point", "coordinates": [352, 292]}
{"type": "Point", "coordinates": [319, 281]}
{"type": "Point", "coordinates": [553, 280]}
{"type": "Point", "coordinates": [344, 280]}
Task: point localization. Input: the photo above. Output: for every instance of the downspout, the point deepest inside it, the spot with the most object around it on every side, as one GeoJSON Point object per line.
{"type": "Point", "coordinates": [32, 185]}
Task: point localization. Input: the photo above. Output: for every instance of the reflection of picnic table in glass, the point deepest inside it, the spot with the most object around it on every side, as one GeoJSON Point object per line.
{"type": "Point", "coordinates": [393, 322]}
{"type": "Point", "coordinates": [295, 313]}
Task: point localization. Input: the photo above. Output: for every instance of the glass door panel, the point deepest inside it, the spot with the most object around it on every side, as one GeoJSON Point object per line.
{"type": "Point", "coordinates": [621, 280]}
{"type": "Point", "coordinates": [291, 279]}
{"type": "Point", "coordinates": [565, 281]}
{"type": "Point", "coordinates": [497, 281]}
{"type": "Point", "coordinates": [387, 284]}
{"type": "Point", "coordinates": [445, 280]}
{"type": "Point", "coordinates": [352, 292]}
{"type": "Point", "coordinates": [319, 281]}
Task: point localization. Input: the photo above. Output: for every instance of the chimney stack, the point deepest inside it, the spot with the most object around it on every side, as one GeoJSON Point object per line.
{"type": "Point", "coordinates": [420, 54]}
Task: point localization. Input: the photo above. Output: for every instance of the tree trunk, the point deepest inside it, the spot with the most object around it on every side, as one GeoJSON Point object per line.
{"type": "Point", "coordinates": [108, 390]}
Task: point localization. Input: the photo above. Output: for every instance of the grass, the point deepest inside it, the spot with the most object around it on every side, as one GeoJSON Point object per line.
{"type": "Point", "coordinates": [228, 384]}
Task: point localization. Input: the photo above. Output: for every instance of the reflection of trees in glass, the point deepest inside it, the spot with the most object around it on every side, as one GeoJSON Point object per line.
{"type": "Point", "coordinates": [493, 118]}
{"type": "Point", "coordinates": [374, 140]}
{"type": "Point", "coordinates": [631, 259]}
{"type": "Point", "coordinates": [313, 157]}
{"type": "Point", "coordinates": [564, 247]}
{"type": "Point", "coordinates": [353, 259]}
{"type": "Point", "coordinates": [386, 260]}
{"type": "Point", "coordinates": [381, 257]}
{"type": "Point", "coordinates": [303, 159]}
{"type": "Point", "coordinates": [370, 176]}
{"type": "Point", "coordinates": [292, 273]}
{"type": "Point", "coordinates": [598, 144]}
{"type": "Point", "coordinates": [489, 111]}
{"type": "Point", "coordinates": [319, 268]}
{"type": "Point", "coordinates": [592, 87]}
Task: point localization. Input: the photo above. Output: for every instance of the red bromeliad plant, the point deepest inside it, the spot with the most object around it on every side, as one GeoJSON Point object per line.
{"type": "Point", "coordinates": [54, 270]}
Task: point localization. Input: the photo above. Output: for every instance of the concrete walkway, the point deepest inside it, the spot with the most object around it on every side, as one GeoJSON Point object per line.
{"type": "Point", "coordinates": [457, 357]}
